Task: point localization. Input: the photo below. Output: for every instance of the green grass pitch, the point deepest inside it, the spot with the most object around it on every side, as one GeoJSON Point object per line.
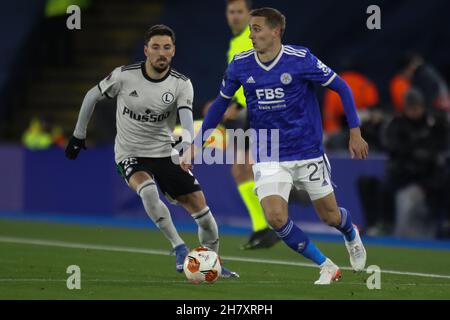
{"type": "Point", "coordinates": [120, 263]}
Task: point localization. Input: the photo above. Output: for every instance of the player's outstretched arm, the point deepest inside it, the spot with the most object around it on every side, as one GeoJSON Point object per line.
{"type": "Point", "coordinates": [212, 119]}
{"type": "Point", "coordinates": [215, 114]}
{"type": "Point", "coordinates": [357, 146]}
{"type": "Point", "coordinates": [77, 141]}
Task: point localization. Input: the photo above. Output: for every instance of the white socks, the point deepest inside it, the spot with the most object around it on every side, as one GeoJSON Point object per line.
{"type": "Point", "coordinates": [158, 211]}
{"type": "Point", "coordinates": [208, 233]}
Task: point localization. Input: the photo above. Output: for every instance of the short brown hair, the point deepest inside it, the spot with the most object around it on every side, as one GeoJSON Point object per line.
{"type": "Point", "coordinates": [248, 3]}
{"type": "Point", "coordinates": [274, 18]}
{"type": "Point", "coordinates": [159, 30]}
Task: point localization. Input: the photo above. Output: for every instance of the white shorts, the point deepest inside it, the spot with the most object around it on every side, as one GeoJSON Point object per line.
{"type": "Point", "coordinates": [277, 178]}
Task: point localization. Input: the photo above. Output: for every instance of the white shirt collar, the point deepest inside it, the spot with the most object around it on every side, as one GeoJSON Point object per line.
{"type": "Point", "coordinates": [274, 62]}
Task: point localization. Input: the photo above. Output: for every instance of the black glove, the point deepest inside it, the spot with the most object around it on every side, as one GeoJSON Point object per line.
{"type": "Point", "coordinates": [73, 148]}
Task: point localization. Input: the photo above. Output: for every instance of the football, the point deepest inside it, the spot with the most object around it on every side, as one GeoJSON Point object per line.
{"type": "Point", "coordinates": [202, 265]}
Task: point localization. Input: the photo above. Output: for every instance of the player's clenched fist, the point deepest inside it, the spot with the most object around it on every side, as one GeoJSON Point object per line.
{"type": "Point", "coordinates": [73, 148]}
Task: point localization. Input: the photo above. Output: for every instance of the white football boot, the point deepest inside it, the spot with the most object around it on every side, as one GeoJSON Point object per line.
{"type": "Point", "coordinates": [329, 272]}
{"type": "Point", "coordinates": [357, 252]}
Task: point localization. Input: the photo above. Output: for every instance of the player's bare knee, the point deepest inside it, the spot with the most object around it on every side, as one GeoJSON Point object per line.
{"type": "Point", "coordinates": [184, 201]}
{"type": "Point", "coordinates": [331, 218]}
{"type": "Point", "coordinates": [275, 217]}
{"type": "Point", "coordinates": [138, 179]}
{"type": "Point", "coordinates": [193, 202]}
{"type": "Point", "coordinates": [277, 221]}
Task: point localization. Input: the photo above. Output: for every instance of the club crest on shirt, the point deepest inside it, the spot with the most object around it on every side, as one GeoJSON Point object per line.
{"type": "Point", "coordinates": [167, 97]}
{"type": "Point", "coordinates": [286, 78]}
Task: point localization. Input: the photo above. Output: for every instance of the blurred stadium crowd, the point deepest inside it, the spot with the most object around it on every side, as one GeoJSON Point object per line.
{"type": "Point", "coordinates": [412, 128]}
{"type": "Point", "coordinates": [401, 91]}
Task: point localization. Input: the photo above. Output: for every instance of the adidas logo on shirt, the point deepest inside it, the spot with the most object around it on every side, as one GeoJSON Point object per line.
{"type": "Point", "coordinates": [134, 94]}
{"type": "Point", "coordinates": [250, 80]}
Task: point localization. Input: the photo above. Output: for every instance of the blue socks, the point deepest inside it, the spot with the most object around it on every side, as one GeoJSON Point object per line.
{"type": "Point", "coordinates": [298, 241]}
{"type": "Point", "coordinates": [346, 226]}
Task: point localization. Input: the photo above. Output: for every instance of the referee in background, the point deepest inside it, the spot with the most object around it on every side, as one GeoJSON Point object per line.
{"type": "Point", "coordinates": [238, 17]}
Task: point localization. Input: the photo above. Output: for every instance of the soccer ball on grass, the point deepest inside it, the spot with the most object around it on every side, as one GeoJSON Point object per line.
{"type": "Point", "coordinates": [202, 265]}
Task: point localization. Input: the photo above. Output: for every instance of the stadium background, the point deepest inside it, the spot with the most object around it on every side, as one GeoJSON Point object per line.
{"type": "Point", "coordinates": [46, 69]}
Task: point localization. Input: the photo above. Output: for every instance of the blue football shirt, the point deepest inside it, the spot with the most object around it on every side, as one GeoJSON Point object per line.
{"type": "Point", "coordinates": [281, 95]}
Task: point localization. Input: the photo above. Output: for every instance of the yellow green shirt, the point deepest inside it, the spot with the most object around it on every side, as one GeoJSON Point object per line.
{"type": "Point", "coordinates": [238, 44]}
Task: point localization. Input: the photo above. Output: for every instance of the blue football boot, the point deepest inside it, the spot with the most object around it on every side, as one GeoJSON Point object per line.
{"type": "Point", "coordinates": [228, 273]}
{"type": "Point", "coordinates": [181, 251]}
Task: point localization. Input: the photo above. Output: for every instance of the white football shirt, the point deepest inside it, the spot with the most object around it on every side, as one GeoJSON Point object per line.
{"type": "Point", "coordinates": [146, 110]}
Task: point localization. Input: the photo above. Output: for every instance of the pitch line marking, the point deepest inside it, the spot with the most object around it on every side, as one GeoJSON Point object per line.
{"type": "Point", "coordinates": [183, 282]}
{"type": "Point", "coordinates": [75, 245]}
